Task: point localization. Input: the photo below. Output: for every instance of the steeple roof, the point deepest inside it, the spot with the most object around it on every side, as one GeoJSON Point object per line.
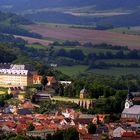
{"type": "Point", "coordinates": [83, 91]}
{"type": "Point", "coordinates": [129, 96]}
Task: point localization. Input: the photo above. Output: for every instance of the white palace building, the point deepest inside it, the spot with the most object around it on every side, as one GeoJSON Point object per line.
{"type": "Point", "coordinates": [15, 76]}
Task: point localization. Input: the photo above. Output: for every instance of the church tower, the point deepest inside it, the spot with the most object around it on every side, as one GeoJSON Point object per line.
{"type": "Point", "coordinates": [129, 102]}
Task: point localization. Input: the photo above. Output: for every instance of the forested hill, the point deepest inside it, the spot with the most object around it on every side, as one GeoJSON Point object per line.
{"type": "Point", "coordinates": [15, 50]}
{"type": "Point", "coordinates": [9, 18]}
{"type": "Point", "coordinates": [100, 4]}
{"type": "Point", "coordinates": [9, 24]}
{"type": "Point", "coordinates": [10, 48]}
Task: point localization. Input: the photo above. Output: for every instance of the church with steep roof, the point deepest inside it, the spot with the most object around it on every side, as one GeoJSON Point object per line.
{"type": "Point", "coordinates": [130, 110]}
{"type": "Point", "coordinates": [83, 94]}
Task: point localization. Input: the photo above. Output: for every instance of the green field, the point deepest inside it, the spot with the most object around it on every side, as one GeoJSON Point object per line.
{"type": "Point", "coordinates": [86, 50]}
{"type": "Point", "coordinates": [129, 30]}
{"type": "Point", "coordinates": [121, 61]}
{"type": "Point", "coordinates": [116, 71]}
{"type": "Point", "coordinates": [36, 46]}
{"type": "Point", "coordinates": [67, 25]}
{"type": "Point", "coordinates": [113, 71]}
{"type": "Point", "coordinates": [72, 70]}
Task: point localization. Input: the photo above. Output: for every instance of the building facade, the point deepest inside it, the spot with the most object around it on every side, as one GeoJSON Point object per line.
{"type": "Point", "coordinates": [15, 76]}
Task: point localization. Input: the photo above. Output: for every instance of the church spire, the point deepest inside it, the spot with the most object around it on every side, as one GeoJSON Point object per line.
{"type": "Point", "coordinates": [129, 98]}
{"type": "Point", "coordinates": [129, 95]}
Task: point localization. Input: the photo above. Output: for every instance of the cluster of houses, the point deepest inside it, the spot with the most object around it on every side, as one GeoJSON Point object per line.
{"type": "Point", "coordinates": [45, 124]}
{"type": "Point", "coordinates": [17, 118]}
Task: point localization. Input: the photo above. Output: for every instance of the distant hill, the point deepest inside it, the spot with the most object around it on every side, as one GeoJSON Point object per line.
{"type": "Point", "coordinates": [122, 20]}
{"type": "Point", "coordinates": [9, 24]}
{"type": "Point", "coordinates": [100, 4]}
{"type": "Point", "coordinates": [64, 18]}
{"type": "Point", "coordinates": [9, 18]}
{"type": "Point", "coordinates": [70, 11]}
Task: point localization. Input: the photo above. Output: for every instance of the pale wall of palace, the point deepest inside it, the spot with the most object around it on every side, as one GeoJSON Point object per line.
{"type": "Point", "coordinates": [13, 80]}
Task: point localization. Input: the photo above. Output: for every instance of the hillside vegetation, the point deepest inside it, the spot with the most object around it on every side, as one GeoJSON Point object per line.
{"type": "Point", "coordinates": [15, 50]}
{"type": "Point", "coordinates": [9, 24]}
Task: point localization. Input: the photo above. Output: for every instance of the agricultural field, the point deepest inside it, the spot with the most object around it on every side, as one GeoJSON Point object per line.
{"type": "Point", "coordinates": [128, 30]}
{"type": "Point", "coordinates": [113, 71]}
{"type": "Point", "coordinates": [36, 46]}
{"type": "Point", "coordinates": [72, 70]}
{"type": "Point", "coordinates": [60, 33]}
{"type": "Point", "coordinates": [85, 35]}
{"type": "Point", "coordinates": [116, 71]}
{"type": "Point", "coordinates": [31, 40]}
{"type": "Point", "coordinates": [85, 50]}
{"type": "Point", "coordinates": [120, 61]}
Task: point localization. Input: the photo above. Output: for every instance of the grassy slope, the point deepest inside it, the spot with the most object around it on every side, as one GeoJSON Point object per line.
{"type": "Point", "coordinates": [125, 30]}
{"type": "Point", "coordinates": [121, 61]}
{"type": "Point", "coordinates": [117, 71]}
{"type": "Point", "coordinates": [71, 71]}
{"type": "Point", "coordinates": [36, 46]}
{"type": "Point", "coordinates": [85, 50]}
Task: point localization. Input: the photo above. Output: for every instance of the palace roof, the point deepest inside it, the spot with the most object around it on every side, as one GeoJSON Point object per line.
{"type": "Point", "coordinates": [13, 72]}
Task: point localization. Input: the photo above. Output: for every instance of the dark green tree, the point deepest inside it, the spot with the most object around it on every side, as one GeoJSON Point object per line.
{"type": "Point", "coordinates": [107, 119]}
{"type": "Point", "coordinates": [71, 134]}
{"type": "Point", "coordinates": [31, 127]}
{"type": "Point", "coordinates": [59, 135]}
{"type": "Point", "coordinates": [60, 89]}
{"type": "Point", "coordinates": [91, 128]}
{"type": "Point", "coordinates": [50, 137]}
{"type": "Point", "coordinates": [44, 81]}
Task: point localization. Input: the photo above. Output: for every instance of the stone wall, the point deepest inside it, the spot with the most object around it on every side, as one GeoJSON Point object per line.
{"type": "Point", "coordinates": [85, 103]}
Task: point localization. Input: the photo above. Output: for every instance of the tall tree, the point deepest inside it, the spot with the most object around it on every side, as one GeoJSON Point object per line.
{"type": "Point", "coordinates": [44, 81]}
{"type": "Point", "coordinates": [31, 127]}
{"type": "Point", "coordinates": [91, 128]}
{"type": "Point", "coordinates": [71, 134]}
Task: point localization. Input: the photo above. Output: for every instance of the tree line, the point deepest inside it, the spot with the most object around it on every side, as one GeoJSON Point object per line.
{"type": "Point", "coordinates": [89, 45]}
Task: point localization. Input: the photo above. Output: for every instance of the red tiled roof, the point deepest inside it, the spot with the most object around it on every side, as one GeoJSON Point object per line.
{"type": "Point", "coordinates": [131, 122]}
{"type": "Point", "coordinates": [128, 134]}
{"type": "Point", "coordinates": [39, 127]}
{"type": "Point", "coordinates": [82, 121]}
{"type": "Point", "coordinates": [90, 137]}
{"type": "Point", "coordinates": [102, 116]}
{"type": "Point", "coordinates": [36, 77]}
{"type": "Point", "coordinates": [28, 105]}
{"type": "Point", "coordinates": [137, 99]}
{"type": "Point", "coordinates": [51, 79]}
{"type": "Point", "coordinates": [21, 127]}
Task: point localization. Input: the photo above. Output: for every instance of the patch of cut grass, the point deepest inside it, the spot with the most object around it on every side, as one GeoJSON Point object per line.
{"type": "Point", "coordinates": [113, 71]}
{"type": "Point", "coordinates": [120, 61]}
{"type": "Point", "coordinates": [72, 70]}
{"type": "Point", "coordinates": [36, 46]}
